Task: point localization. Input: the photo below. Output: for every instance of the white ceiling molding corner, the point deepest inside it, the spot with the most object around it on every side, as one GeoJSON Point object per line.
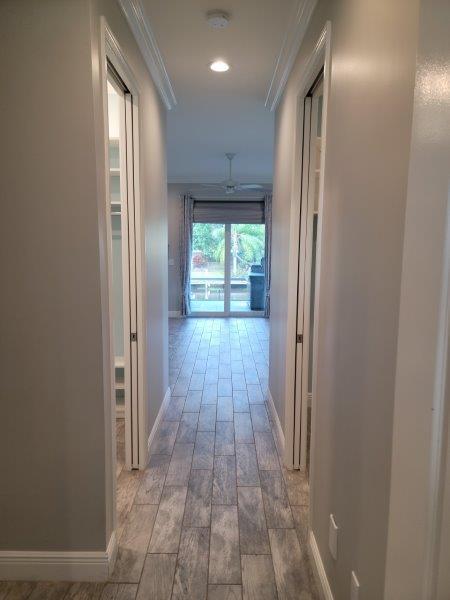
{"type": "Point", "coordinates": [147, 44]}
{"type": "Point", "coordinates": [291, 44]}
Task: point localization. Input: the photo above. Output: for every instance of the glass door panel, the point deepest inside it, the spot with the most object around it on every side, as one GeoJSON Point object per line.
{"type": "Point", "coordinates": [208, 268]}
{"type": "Point", "coordinates": [247, 281]}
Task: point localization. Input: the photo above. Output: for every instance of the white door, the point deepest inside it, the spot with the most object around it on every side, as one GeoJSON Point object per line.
{"type": "Point", "coordinates": [123, 261]}
{"type": "Point", "coordinates": [312, 140]}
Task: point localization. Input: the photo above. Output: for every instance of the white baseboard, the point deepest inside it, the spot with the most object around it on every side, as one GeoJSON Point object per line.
{"type": "Point", "coordinates": [158, 419]}
{"type": "Point", "coordinates": [319, 568]}
{"type": "Point", "coordinates": [279, 430]}
{"type": "Point", "coordinates": [58, 566]}
{"type": "Point", "coordinates": [174, 314]}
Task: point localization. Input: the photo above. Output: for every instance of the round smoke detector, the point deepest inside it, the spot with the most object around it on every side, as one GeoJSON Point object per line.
{"type": "Point", "coordinates": [218, 19]}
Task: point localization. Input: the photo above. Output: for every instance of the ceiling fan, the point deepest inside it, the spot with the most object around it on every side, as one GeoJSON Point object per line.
{"type": "Point", "coordinates": [230, 186]}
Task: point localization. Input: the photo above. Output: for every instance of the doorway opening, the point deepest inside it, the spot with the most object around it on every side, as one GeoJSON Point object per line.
{"type": "Point", "coordinates": [309, 215]}
{"type": "Point", "coordinates": [123, 267]}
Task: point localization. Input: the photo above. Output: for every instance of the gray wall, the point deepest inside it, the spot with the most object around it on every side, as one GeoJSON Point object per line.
{"type": "Point", "coordinates": [422, 279]}
{"type": "Point", "coordinates": [55, 469]}
{"type": "Point", "coordinates": [369, 123]}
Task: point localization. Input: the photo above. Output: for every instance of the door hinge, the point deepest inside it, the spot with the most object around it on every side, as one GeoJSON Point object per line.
{"type": "Point", "coordinates": [299, 338]}
{"type": "Point", "coordinates": [133, 336]}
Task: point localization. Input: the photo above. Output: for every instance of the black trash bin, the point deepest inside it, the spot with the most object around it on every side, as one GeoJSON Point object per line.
{"type": "Point", "coordinates": [257, 287]}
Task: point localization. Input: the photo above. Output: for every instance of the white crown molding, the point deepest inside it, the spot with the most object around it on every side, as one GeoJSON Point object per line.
{"type": "Point", "coordinates": [293, 39]}
{"type": "Point", "coordinates": [58, 565]}
{"type": "Point", "coordinates": [147, 43]}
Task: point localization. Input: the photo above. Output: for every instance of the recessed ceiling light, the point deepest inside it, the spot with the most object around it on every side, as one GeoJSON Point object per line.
{"type": "Point", "coordinates": [220, 66]}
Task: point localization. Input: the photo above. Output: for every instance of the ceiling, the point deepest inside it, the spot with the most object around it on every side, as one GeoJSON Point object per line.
{"type": "Point", "coordinates": [219, 112]}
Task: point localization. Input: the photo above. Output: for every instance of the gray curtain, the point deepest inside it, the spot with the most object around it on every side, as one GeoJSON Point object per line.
{"type": "Point", "coordinates": [186, 253]}
{"type": "Point", "coordinates": [267, 263]}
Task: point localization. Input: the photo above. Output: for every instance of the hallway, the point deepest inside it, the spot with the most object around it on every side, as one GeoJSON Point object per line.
{"type": "Point", "coordinates": [213, 516]}
{"type": "Point", "coordinates": [223, 507]}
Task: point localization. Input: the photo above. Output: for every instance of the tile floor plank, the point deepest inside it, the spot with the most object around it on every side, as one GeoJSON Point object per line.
{"type": "Point", "coordinates": [175, 409]}
{"type": "Point", "coordinates": [197, 512]}
{"type": "Point", "coordinates": [224, 561]}
{"type": "Point", "coordinates": [276, 502]}
{"type": "Point", "coordinates": [133, 543]}
{"type": "Point", "coordinates": [240, 400]}
{"type": "Point", "coordinates": [224, 480]}
{"type": "Point", "coordinates": [167, 527]}
{"type": "Point", "coordinates": [266, 451]}
{"type": "Point", "coordinates": [193, 401]}
{"type": "Point", "coordinates": [224, 443]}
{"type": "Point", "coordinates": [258, 578]}
{"type": "Point", "coordinates": [187, 429]}
{"type": "Point", "coordinates": [290, 569]}
{"type": "Point", "coordinates": [80, 591]}
{"type": "Point", "coordinates": [246, 465]}
{"type": "Point", "coordinates": [252, 521]}
{"type": "Point", "coordinates": [243, 430]}
{"type": "Point", "coordinates": [180, 464]}
{"type": "Point", "coordinates": [224, 408]}
{"type": "Point", "coordinates": [157, 577]}
{"type": "Point", "coordinates": [204, 450]}
{"type": "Point", "coordinates": [191, 576]}
{"type": "Point", "coordinates": [260, 419]}
{"type": "Point", "coordinates": [165, 438]}
{"type": "Point", "coordinates": [207, 418]}
{"type": "Point", "coordinates": [224, 387]}
{"type": "Point", "coordinates": [224, 592]}
{"type": "Point", "coordinates": [48, 590]}
{"type": "Point", "coordinates": [152, 480]}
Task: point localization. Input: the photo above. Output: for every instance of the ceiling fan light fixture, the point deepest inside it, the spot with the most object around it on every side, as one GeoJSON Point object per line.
{"type": "Point", "coordinates": [218, 19]}
{"type": "Point", "coordinates": [219, 66]}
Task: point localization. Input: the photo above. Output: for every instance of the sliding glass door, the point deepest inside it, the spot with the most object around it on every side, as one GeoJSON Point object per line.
{"type": "Point", "coordinates": [208, 268]}
{"type": "Point", "coordinates": [227, 269]}
{"type": "Point", "coordinates": [247, 286]}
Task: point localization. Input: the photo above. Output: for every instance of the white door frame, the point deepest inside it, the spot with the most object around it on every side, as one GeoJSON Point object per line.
{"type": "Point", "coordinates": [319, 59]}
{"type": "Point", "coordinates": [111, 51]}
{"type": "Point", "coordinates": [303, 332]}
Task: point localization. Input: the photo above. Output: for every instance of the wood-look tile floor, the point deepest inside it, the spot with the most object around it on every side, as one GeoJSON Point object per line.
{"type": "Point", "coordinates": [214, 516]}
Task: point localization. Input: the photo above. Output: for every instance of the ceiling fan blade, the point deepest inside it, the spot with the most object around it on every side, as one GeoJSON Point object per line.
{"type": "Point", "coordinates": [204, 185]}
{"type": "Point", "coordinates": [251, 186]}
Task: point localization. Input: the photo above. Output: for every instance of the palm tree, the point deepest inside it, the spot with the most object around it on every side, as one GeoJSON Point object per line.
{"type": "Point", "coordinates": [247, 245]}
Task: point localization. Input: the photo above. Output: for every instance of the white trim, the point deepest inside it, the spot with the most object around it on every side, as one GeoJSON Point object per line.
{"type": "Point", "coordinates": [159, 417]}
{"type": "Point", "coordinates": [319, 57]}
{"type": "Point", "coordinates": [438, 427]}
{"type": "Point", "coordinates": [58, 566]}
{"type": "Point", "coordinates": [280, 441]}
{"type": "Point", "coordinates": [146, 41]}
{"type": "Point", "coordinates": [319, 568]}
{"type": "Point", "coordinates": [298, 24]}
{"type": "Point", "coordinates": [174, 314]}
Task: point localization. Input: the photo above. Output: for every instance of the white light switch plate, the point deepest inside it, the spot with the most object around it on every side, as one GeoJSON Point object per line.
{"type": "Point", "coordinates": [332, 537]}
{"type": "Point", "coordinates": [354, 587]}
